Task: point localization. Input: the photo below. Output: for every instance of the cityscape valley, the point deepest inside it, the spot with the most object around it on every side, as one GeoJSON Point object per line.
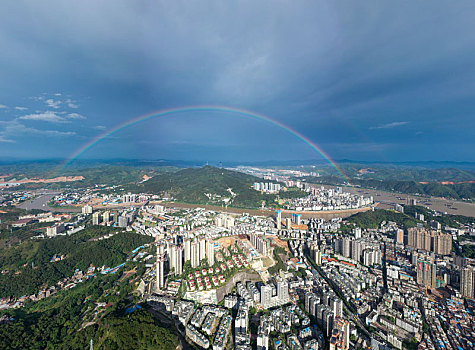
{"type": "Point", "coordinates": [294, 264]}
{"type": "Point", "coordinates": [237, 175]}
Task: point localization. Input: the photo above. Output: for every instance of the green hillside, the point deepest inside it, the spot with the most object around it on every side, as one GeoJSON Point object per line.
{"type": "Point", "coordinates": [59, 322]}
{"type": "Point", "coordinates": [80, 251]}
{"type": "Point", "coordinates": [444, 219]}
{"type": "Point", "coordinates": [208, 185]}
{"type": "Point", "coordinates": [373, 219]}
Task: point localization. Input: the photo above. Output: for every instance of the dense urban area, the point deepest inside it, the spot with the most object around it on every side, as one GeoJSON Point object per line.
{"type": "Point", "coordinates": [99, 263]}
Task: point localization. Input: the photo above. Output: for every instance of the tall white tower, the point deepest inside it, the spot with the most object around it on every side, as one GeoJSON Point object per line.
{"type": "Point", "coordinates": [279, 219]}
{"type": "Point", "coordinates": [210, 252]}
{"type": "Point", "coordinates": [160, 283]}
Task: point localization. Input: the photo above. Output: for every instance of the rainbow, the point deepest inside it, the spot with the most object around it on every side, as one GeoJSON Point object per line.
{"type": "Point", "coordinates": [179, 110]}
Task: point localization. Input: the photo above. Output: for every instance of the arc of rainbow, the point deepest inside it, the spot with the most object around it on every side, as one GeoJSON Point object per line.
{"type": "Point", "coordinates": [173, 111]}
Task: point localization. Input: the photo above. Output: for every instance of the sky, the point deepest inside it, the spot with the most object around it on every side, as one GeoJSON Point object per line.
{"type": "Point", "coordinates": [374, 80]}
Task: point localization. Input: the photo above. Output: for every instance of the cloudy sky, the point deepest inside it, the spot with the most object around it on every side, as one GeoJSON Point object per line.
{"type": "Point", "coordinates": [372, 80]}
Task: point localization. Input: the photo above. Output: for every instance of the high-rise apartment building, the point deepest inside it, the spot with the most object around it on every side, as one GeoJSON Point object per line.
{"type": "Point", "coordinates": [431, 241]}
{"type": "Point", "coordinates": [106, 216]}
{"type": "Point", "coordinates": [187, 246]}
{"type": "Point", "coordinates": [316, 254]}
{"type": "Point", "coordinates": [426, 271]}
{"type": "Point", "coordinates": [95, 218]}
{"type": "Point", "coordinates": [87, 209]}
{"type": "Point", "coordinates": [399, 236]}
{"type": "Point", "coordinates": [296, 219]}
{"type": "Point", "coordinates": [467, 282]}
{"type": "Point", "coordinates": [160, 273]}
{"type": "Point", "coordinates": [278, 219]}
{"type": "Point", "coordinates": [202, 242]}
{"type": "Point", "coordinates": [175, 256]}
{"type": "Point", "coordinates": [210, 252]}
{"type": "Point", "coordinates": [260, 242]}
{"type": "Point", "coordinates": [283, 291]}
{"type": "Point", "coordinates": [195, 254]}
{"type": "Point", "coordinates": [266, 296]}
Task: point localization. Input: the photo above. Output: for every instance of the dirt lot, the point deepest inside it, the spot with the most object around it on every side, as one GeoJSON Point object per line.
{"type": "Point", "coordinates": [282, 244]}
{"type": "Point", "coordinates": [226, 241]}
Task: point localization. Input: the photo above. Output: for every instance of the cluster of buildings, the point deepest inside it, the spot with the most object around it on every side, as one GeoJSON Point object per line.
{"type": "Point", "coordinates": [337, 289]}
{"type": "Point", "coordinates": [268, 187]}
{"type": "Point", "coordinates": [14, 197]}
{"type": "Point", "coordinates": [174, 253]}
{"type": "Point", "coordinates": [429, 240]}
{"type": "Point", "coordinates": [89, 196]}
{"type": "Point", "coordinates": [324, 199]}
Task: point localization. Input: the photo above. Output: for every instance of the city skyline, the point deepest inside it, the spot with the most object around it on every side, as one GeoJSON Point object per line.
{"type": "Point", "coordinates": [385, 82]}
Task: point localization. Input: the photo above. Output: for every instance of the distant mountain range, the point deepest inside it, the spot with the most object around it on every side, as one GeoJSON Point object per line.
{"type": "Point", "coordinates": [190, 163]}
{"type": "Point", "coordinates": [181, 179]}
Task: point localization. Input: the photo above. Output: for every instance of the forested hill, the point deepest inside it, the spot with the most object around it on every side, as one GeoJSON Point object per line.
{"type": "Point", "coordinates": [207, 185]}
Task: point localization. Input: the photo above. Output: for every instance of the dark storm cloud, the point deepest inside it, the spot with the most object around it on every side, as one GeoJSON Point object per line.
{"type": "Point", "coordinates": [395, 79]}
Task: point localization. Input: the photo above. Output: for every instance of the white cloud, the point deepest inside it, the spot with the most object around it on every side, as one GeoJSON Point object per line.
{"type": "Point", "coordinates": [3, 106]}
{"type": "Point", "coordinates": [13, 128]}
{"type": "Point", "coordinates": [71, 103]}
{"type": "Point", "coordinates": [52, 103]}
{"type": "Point", "coordinates": [99, 127]}
{"type": "Point", "coordinates": [4, 139]}
{"type": "Point", "coordinates": [21, 108]}
{"type": "Point", "coordinates": [48, 116]}
{"type": "Point", "coordinates": [56, 132]}
{"type": "Point", "coordinates": [389, 125]}
{"type": "Point", "coordinates": [75, 116]}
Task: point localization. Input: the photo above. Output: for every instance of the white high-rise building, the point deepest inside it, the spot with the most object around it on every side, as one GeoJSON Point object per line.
{"type": "Point", "coordinates": [106, 216]}
{"type": "Point", "coordinates": [160, 283]}
{"type": "Point", "coordinates": [87, 209]}
{"type": "Point", "coordinates": [175, 256]}
{"type": "Point", "coordinates": [266, 296]}
{"type": "Point", "coordinates": [202, 249]}
{"type": "Point", "coordinates": [128, 198]}
{"type": "Point", "coordinates": [283, 291]}
{"type": "Point", "coordinates": [187, 244]}
{"type": "Point", "coordinates": [195, 254]}
{"type": "Point", "coordinates": [210, 252]}
{"type": "Point", "coordinates": [279, 219]}
{"type": "Point", "coordinates": [95, 218]}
